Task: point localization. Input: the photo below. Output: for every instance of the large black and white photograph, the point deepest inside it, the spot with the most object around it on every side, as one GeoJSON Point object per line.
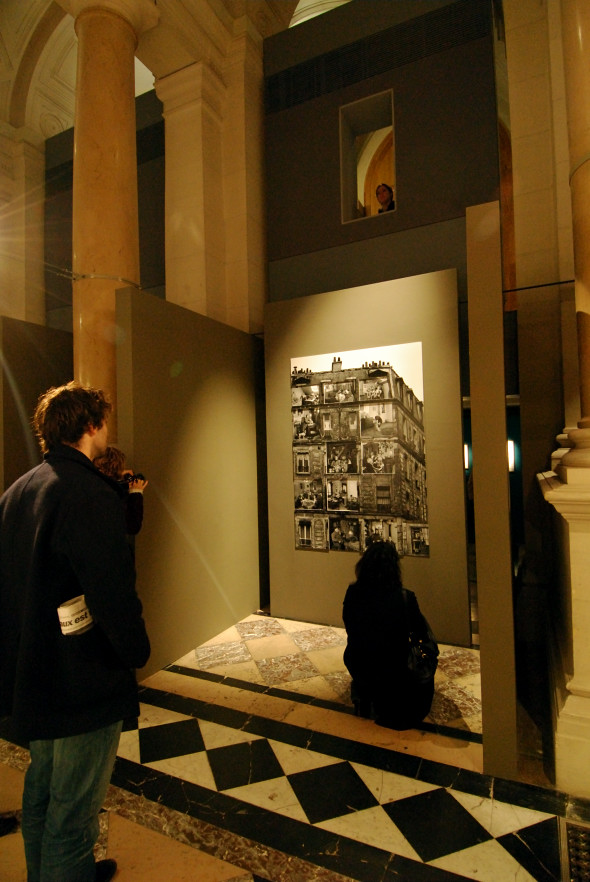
{"type": "Point", "coordinates": [359, 449]}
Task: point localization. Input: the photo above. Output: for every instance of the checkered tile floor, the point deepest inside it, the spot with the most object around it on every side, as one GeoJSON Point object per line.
{"type": "Point", "coordinates": [348, 810]}
{"type": "Point", "coordinates": [286, 784]}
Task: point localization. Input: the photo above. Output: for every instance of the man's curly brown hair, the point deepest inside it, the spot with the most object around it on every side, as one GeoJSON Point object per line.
{"type": "Point", "coordinates": [64, 413]}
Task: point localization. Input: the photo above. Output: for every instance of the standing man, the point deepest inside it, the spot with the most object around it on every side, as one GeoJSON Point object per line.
{"type": "Point", "coordinates": [67, 680]}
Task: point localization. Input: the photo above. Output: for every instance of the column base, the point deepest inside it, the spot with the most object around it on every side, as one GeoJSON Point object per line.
{"type": "Point", "coordinates": [568, 492]}
{"type": "Point", "coordinates": [572, 747]}
{"type": "Point", "coordinates": [579, 455]}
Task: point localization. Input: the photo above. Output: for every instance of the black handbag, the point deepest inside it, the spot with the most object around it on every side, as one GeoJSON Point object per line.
{"type": "Point", "coordinates": [422, 649]}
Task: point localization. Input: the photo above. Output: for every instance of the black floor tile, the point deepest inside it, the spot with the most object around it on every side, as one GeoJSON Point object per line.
{"type": "Point", "coordinates": [330, 792]}
{"type": "Point", "coordinates": [246, 763]}
{"type": "Point", "coordinates": [170, 739]}
{"type": "Point", "coordinates": [404, 870]}
{"type": "Point", "coordinates": [536, 848]}
{"type": "Point", "coordinates": [435, 824]}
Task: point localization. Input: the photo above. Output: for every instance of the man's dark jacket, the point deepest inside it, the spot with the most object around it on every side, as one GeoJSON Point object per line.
{"type": "Point", "coordinates": [62, 534]}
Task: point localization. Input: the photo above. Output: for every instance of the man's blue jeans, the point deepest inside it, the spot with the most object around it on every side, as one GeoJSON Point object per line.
{"type": "Point", "coordinates": [65, 787]}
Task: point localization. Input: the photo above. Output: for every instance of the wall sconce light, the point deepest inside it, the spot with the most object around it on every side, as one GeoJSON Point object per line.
{"type": "Point", "coordinates": [511, 456]}
{"type": "Point", "coordinates": [510, 449]}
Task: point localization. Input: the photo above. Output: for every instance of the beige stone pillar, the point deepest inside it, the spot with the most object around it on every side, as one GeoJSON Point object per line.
{"type": "Point", "coordinates": [576, 39]}
{"type": "Point", "coordinates": [567, 488]}
{"type": "Point", "coordinates": [105, 221]}
{"type": "Point", "coordinates": [244, 184]}
{"type": "Point", "coordinates": [22, 191]}
{"type": "Point", "coordinates": [193, 101]}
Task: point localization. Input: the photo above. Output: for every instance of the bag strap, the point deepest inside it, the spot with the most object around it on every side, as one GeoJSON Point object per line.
{"type": "Point", "coordinates": [416, 624]}
{"type": "Point", "coordinates": [410, 626]}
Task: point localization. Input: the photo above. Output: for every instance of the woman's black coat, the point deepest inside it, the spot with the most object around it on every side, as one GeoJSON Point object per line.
{"type": "Point", "coordinates": [377, 623]}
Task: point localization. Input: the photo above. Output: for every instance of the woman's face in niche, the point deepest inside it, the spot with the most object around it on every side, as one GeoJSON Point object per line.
{"type": "Point", "coordinates": [384, 197]}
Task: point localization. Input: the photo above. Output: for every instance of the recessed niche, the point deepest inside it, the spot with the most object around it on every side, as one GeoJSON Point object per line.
{"type": "Point", "coordinates": [367, 157]}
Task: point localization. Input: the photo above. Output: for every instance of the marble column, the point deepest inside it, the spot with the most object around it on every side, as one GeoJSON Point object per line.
{"type": "Point", "coordinates": [567, 488]}
{"type": "Point", "coordinates": [576, 40]}
{"type": "Point", "coordinates": [193, 101]}
{"type": "Point", "coordinates": [244, 192]}
{"type": "Point", "coordinates": [105, 212]}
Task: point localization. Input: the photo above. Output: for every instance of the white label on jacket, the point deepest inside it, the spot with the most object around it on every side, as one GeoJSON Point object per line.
{"type": "Point", "coordinates": [74, 616]}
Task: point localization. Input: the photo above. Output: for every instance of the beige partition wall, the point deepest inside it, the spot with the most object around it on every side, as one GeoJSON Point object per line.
{"type": "Point", "coordinates": [491, 492]}
{"type": "Point", "coordinates": [186, 398]}
{"type": "Point", "coordinates": [310, 585]}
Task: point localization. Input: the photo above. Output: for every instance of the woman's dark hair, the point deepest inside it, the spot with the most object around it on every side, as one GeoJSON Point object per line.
{"type": "Point", "coordinates": [387, 187]}
{"type": "Point", "coordinates": [111, 463]}
{"type": "Point", "coordinates": [64, 413]}
{"type": "Point", "coordinates": [379, 567]}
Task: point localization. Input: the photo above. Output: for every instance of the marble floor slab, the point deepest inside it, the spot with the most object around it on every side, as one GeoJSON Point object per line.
{"type": "Point", "coordinates": [308, 659]}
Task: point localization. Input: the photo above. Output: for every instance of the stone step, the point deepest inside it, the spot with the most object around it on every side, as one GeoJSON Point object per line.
{"type": "Point", "coordinates": [141, 854]}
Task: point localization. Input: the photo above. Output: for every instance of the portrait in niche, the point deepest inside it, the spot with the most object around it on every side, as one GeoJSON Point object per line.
{"type": "Point", "coordinates": [305, 424]}
{"type": "Point", "coordinates": [339, 393]}
{"type": "Point", "coordinates": [367, 157]}
{"type": "Point", "coordinates": [342, 493]}
{"type": "Point", "coordinates": [359, 451]}
{"type": "Point", "coordinates": [379, 456]}
{"type": "Point", "coordinates": [309, 460]}
{"type": "Point", "coordinates": [311, 532]}
{"type": "Point", "coordinates": [339, 423]}
{"type": "Point", "coordinates": [342, 458]}
{"type": "Point", "coordinates": [377, 420]}
{"type": "Point", "coordinates": [376, 389]}
{"type": "Point", "coordinates": [309, 495]}
{"type": "Point", "coordinates": [345, 534]}
{"type": "Point", "coordinates": [302, 396]}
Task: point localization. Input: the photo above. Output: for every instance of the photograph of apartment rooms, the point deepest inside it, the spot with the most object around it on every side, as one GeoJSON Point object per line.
{"type": "Point", "coordinates": [359, 467]}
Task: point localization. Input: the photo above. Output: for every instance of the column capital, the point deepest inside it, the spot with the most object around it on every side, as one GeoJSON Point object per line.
{"type": "Point", "coordinates": [142, 15]}
{"type": "Point", "coordinates": [196, 83]}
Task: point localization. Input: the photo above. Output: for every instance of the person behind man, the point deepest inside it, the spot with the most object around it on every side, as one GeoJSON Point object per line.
{"type": "Point", "coordinates": [129, 486]}
{"type": "Point", "coordinates": [67, 688]}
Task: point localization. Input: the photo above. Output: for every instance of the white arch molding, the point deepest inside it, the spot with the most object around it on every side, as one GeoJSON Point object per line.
{"type": "Point", "coordinates": [310, 8]}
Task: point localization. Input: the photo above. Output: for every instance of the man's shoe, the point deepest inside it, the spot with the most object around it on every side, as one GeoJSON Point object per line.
{"type": "Point", "coordinates": [9, 824]}
{"type": "Point", "coordinates": [105, 870]}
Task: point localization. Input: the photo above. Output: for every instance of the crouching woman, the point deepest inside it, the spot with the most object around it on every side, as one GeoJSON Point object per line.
{"type": "Point", "coordinates": [379, 614]}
